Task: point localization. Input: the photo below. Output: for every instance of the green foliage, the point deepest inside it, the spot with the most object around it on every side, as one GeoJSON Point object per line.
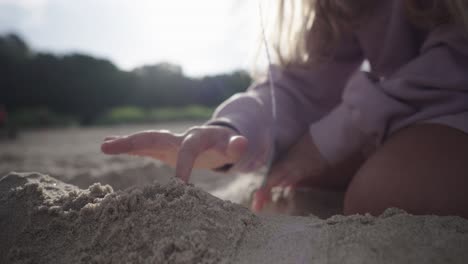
{"type": "Point", "coordinates": [126, 114]}
{"type": "Point", "coordinates": [87, 88]}
{"type": "Point", "coordinates": [40, 117]}
{"type": "Point", "coordinates": [132, 114]}
{"type": "Point", "coordinates": [13, 48]}
{"type": "Point", "coordinates": [192, 112]}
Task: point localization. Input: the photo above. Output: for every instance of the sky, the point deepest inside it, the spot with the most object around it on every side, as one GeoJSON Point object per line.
{"type": "Point", "coordinates": [204, 36]}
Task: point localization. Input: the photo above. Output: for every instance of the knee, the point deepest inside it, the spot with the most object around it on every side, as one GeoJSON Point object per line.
{"type": "Point", "coordinates": [375, 185]}
{"type": "Point", "coordinates": [361, 199]}
{"type": "Point", "coordinates": [421, 169]}
{"type": "Point", "coordinates": [390, 177]}
{"type": "Point", "coordinates": [380, 184]}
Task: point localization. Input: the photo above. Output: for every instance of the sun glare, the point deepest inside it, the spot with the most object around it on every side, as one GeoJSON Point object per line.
{"type": "Point", "coordinates": [182, 31]}
{"type": "Point", "coordinates": [204, 37]}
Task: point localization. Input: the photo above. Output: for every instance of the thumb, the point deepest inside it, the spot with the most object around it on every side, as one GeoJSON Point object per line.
{"type": "Point", "coordinates": [236, 148]}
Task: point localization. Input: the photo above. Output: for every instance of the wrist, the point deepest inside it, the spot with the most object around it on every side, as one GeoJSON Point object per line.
{"type": "Point", "coordinates": [224, 125]}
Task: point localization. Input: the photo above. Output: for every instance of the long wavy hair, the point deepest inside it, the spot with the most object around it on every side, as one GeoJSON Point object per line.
{"type": "Point", "coordinates": [308, 29]}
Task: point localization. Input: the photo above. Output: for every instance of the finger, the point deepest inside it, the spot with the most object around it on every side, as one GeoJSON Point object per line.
{"type": "Point", "coordinates": [236, 148]}
{"type": "Point", "coordinates": [146, 153]}
{"type": "Point", "coordinates": [118, 145]}
{"type": "Point", "coordinates": [260, 198]}
{"type": "Point", "coordinates": [263, 195]}
{"type": "Point", "coordinates": [289, 181]}
{"type": "Point", "coordinates": [231, 148]}
{"type": "Point", "coordinates": [108, 138]}
{"type": "Point", "coordinates": [277, 175]}
{"type": "Point", "coordinates": [140, 141]}
{"type": "Point", "coordinates": [189, 150]}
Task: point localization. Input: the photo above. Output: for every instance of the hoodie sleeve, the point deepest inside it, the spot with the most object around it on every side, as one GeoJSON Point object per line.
{"type": "Point", "coordinates": [303, 95]}
{"type": "Point", "coordinates": [432, 85]}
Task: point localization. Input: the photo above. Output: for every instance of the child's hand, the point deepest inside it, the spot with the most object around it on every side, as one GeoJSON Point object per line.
{"type": "Point", "coordinates": [303, 160]}
{"type": "Point", "coordinates": [206, 147]}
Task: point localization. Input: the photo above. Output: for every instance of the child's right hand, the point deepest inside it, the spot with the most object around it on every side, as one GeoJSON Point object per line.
{"type": "Point", "coordinates": [207, 147]}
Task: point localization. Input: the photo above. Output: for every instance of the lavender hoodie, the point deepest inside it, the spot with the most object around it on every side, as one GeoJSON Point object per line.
{"type": "Point", "coordinates": [416, 76]}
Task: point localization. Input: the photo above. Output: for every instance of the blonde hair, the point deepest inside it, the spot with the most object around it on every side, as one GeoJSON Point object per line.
{"type": "Point", "coordinates": [307, 30]}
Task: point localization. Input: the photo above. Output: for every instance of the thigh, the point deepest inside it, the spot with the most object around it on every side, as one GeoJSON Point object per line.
{"type": "Point", "coordinates": [336, 178]}
{"type": "Point", "coordinates": [422, 169]}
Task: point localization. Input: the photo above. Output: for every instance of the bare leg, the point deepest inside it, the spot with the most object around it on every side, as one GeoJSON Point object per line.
{"type": "Point", "coordinates": [338, 177]}
{"type": "Point", "coordinates": [422, 169]}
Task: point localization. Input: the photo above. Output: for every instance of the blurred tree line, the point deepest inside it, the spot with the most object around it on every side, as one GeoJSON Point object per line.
{"type": "Point", "coordinates": [85, 87]}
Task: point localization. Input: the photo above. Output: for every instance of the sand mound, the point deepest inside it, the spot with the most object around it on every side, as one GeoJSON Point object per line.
{"type": "Point", "coordinates": [46, 221]}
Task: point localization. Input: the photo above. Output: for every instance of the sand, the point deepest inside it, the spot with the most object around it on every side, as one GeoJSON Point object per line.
{"type": "Point", "coordinates": [73, 156]}
{"type": "Point", "coordinates": [394, 237]}
{"type": "Point", "coordinates": [47, 221]}
{"type": "Point", "coordinates": [61, 219]}
{"type": "Point", "coordinates": [44, 220]}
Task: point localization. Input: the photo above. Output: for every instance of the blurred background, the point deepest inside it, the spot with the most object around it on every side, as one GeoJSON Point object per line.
{"type": "Point", "coordinates": [95, 62]}
{"type": "Point", "coordinates": [72, 72]}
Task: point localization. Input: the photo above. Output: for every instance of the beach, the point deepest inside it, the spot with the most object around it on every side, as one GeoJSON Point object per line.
{"type": "Point", "coordinates": [62, 201]}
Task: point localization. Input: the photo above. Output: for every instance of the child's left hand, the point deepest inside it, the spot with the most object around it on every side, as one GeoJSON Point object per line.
{"type": "Point", "coordinates": [303, 160]}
